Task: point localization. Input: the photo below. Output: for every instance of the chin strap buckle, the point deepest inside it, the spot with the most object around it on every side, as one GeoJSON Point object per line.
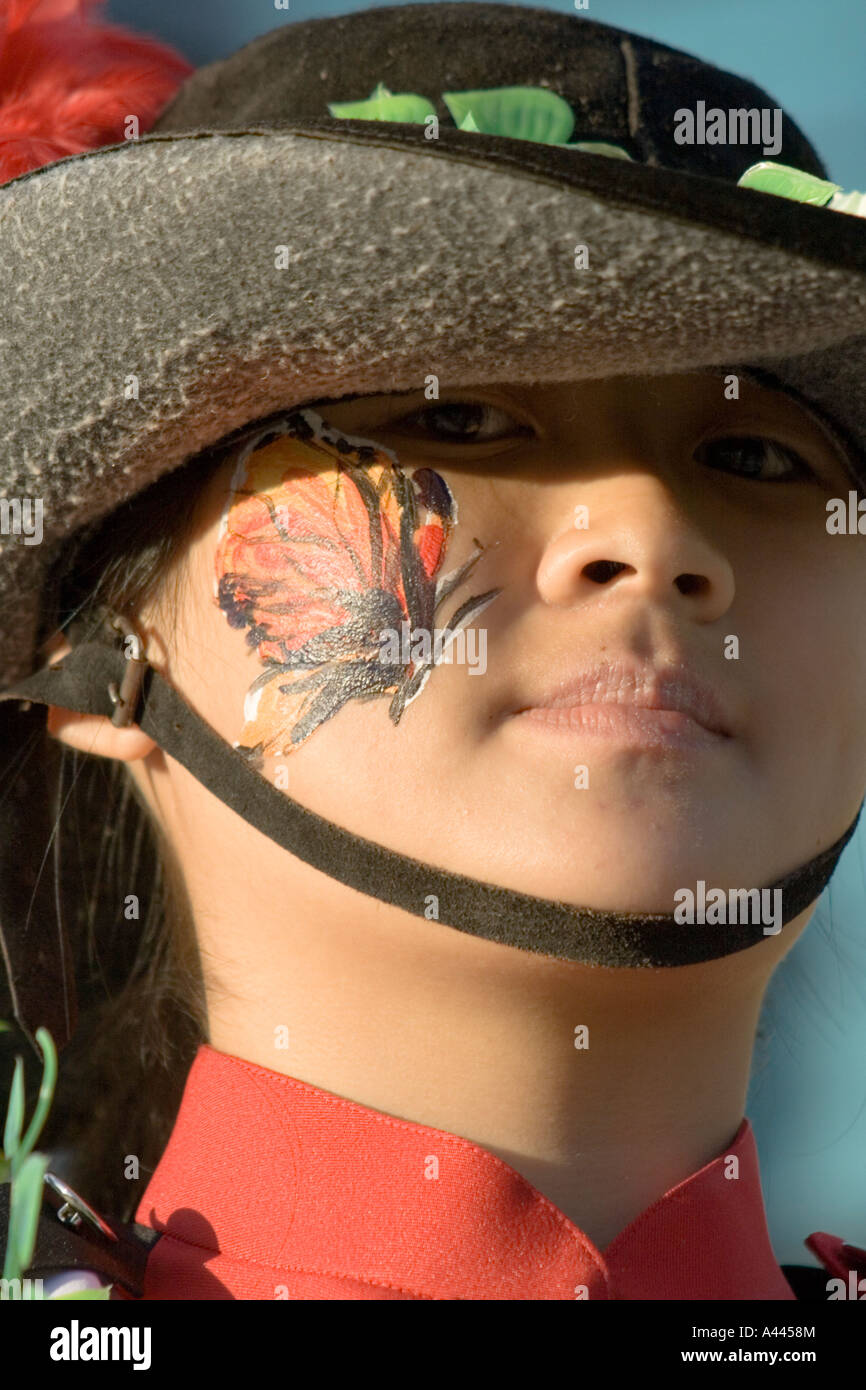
{"type": "Point", "coordinates": [126, 699]}
{"type": "Point", "coordinates": [71, 1208]}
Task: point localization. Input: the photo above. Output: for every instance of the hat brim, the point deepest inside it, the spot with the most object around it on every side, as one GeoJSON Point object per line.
{"type": "Point", "coordinates": [162, 293]}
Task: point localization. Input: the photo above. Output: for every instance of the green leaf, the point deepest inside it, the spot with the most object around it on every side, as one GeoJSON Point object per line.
{"type": "Point", "coordinates": [14, 1112]}
{"type": "Point", "coordinates": [468, 122]}
{"type": "Point", "coordinates": [43, 1100]}
{"type": "Point", "coordinates": [382, 105]}
{"type": "Point", "coordinates": [26, 1203]}
{"type": "Point", "coordinates": [521, 113]}
{"type": "Point", "coordinates": [600, 147]}
{"type": "Point", "coordinates": [788, 182]}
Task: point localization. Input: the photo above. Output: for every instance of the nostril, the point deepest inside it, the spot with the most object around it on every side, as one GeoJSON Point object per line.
{"type": "Point", "coordinates": [600, 571]}
{"type": "Point", "coordinates": [691, 583]}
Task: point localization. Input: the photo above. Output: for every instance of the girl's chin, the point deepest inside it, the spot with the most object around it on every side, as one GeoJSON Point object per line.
{"type": "Point", "coordinates": [640, 887]}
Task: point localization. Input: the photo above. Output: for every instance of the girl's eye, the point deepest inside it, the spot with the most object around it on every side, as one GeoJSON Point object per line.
{"type": "Point", "coordinates": [753, 456]}
{"type": "Point", "coordinates": [461, 422]}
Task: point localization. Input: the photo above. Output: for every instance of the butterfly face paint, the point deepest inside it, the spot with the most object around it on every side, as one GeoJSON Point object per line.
{"type": "Point", "coordinates": [325, 546]}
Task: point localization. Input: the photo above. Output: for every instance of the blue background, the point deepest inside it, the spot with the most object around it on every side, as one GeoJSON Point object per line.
{"type": "Point", "coordinates": [807, 1098]}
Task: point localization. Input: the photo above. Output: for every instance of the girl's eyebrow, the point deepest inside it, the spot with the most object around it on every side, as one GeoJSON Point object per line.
{"type": "Point", "coordinates": [761, 377]}
{"type": "Point", "coordinates": [764, 380]}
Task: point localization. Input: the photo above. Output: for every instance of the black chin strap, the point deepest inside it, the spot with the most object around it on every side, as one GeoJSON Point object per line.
{"type": "Point", "coordinates": [98, 678]}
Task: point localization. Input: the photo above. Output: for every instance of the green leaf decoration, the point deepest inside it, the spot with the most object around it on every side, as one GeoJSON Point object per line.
{"type": "Point", "coordinates": [14, 1111]}
{"type": "Point", "coordinates": [383, 105]}
{"type": "Point", "coordinates": [521, 113]}
{"type": "Point", "coordinates": [43, 1100]}
{"type": "Point", "coordinates": [25, 1204]}
{"type": "Point", "coordinates": [23, 1169]}
{"type": "Point", "coordinates": [600, 147]}
{"type": "Point", "coordinates": [787, 182]}
{"type": "Point", "coordinates": [849, 202]}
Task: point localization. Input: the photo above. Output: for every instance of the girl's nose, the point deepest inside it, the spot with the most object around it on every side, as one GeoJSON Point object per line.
{"type": "Point", "coordinates": [631, 533]}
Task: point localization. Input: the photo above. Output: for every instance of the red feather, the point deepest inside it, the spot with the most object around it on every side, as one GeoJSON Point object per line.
{"type": "Point", "coordinates": [68, 84]}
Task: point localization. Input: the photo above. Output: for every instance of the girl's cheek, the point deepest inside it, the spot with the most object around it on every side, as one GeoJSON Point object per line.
{"type": "Point", "coordinates": [328, 556]}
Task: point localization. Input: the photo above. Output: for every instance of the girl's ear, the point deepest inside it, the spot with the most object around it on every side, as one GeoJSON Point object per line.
{"type": "Point", "coordinates": [94, 733]}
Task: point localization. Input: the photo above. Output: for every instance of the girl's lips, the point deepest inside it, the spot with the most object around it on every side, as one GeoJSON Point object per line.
{"type": "Point", "coordinates": [624, 723]}
{"type": "Point", "coordinates": [636, 686]}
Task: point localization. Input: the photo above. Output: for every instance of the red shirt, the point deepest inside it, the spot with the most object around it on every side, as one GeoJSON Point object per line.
{"type": "Point", "coordinates": [272, 1188]}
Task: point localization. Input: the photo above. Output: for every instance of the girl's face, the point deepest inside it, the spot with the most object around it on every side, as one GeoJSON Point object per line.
{"type": "Point", "coordinates": [596, 533]}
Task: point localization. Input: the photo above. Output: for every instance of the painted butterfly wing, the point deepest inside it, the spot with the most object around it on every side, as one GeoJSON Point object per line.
{"type": "Point", "coordinates": [316, 557]}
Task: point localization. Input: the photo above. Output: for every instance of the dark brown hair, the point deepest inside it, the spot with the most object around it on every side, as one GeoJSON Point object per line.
{"type": "Point", "coordinates": [139, 980]}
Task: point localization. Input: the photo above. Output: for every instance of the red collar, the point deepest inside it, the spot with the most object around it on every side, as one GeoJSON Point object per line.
{"type": "Point", "coordinates": [270, 1187]}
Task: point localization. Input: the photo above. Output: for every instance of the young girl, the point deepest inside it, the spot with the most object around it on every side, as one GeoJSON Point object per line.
{"type": "Point", "coordinates": [503, 643]}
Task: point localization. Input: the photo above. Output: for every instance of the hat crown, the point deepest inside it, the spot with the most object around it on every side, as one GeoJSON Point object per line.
{"type": "Point", "coordinates": [622, 88]}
